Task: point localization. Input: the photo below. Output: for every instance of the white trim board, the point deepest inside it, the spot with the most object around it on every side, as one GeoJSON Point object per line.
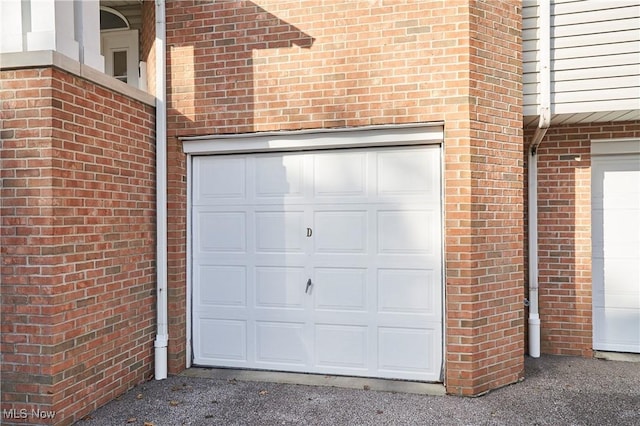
{"type": "Point", "coordinates": [615, 146]}
{"type": "Point", "coordinates": [354, 137]}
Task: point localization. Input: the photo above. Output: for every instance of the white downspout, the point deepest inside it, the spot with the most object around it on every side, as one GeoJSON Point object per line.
{"type": "Point", "coordinates": [162, 333]}
{"type": "Point", "coordinates": [543, 125]}
{"type": "Point", "coordinates": [534, 316]}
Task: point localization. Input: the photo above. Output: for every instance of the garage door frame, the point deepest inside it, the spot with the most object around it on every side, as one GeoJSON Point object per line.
{"type": "Point", "coordinates": [308, 140]}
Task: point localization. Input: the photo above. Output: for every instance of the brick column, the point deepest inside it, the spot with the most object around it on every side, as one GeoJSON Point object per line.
{"type": "Point", "coordinates": [77, 241]}
{"type": "Point", "coordinates": [485, 312]}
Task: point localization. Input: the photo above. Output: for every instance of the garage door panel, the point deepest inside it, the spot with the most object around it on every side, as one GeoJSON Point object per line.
{"type": "Point", "coordinates": [624, 248]}
{"type": "Point", "coordinates": [618, 173]}
{"type": "Point", "coordinates": [622, 251]}
{"type": "Point", "coordinates": [618, 275]}
{"type": "Point", "coordinates": [407, 291]}
{"type": "Point", "coordinates": [618, 200]}
{"type": "Point", "coordinates": [221, 285]}
{"type": "Point", "coordinates": [341, 346]}
{"type": "Point", "coordinates": [221, 231]}
{"type": "Point", "coordinates": [280, 231]}
{"type": "Point", "coordinates": [340, 231]}
{"type": "Point", "coordinates": [621, 226]}
{"type": "Point", "coordinates": [408, 172]}
{"type": "Point", "coordinates": [416, 355]}
{"type": "Point", "coordinates": [279, 176]}
{"type": "Point", "coordinates": [617, 329]}
{"type": "Point", "coordinates": [224, 340]}
{"type": "Point", "coordinates": [280, 287]}
{"type": "Point", "coordinates": [340, 289]}
{"type": "Point", "coordinates": [340, 174]}
{"type": "Point", "coordinates": [406, 231]}
{"type": "Point", "coordinates": [622, 300]}
{"type": "Point", "coordinates": [219, 179]}
{"type": "Point", "coordinates": [281, 343]}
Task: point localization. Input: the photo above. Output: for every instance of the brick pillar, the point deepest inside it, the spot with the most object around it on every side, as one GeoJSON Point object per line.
{"type": "Point", "coordinates": [78, 244]}
{"type": "Point", "coordinates": [484, 301]}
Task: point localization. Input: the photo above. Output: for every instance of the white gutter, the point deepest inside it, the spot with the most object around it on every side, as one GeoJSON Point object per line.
{"type": "Point", "coordinates": [162, 332]}
{"type": "Point", "coordinates": [543, 125]}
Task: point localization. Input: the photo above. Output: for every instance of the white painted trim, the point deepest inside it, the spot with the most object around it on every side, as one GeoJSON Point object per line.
{"type": "Point", "coordinates": [11, 36]}
{"type": "Point", "coordinates": [51, 58]}
{"type": "Point", "coordinates": [615, 146]}
{"type": "Point", "coordinates": [443, 265]}
{"type": "Point", "coordinates": [370, 136]}
{"type": "Point", "coordinates": [87, 19]}
{"type": "Point", "coordinates": [52, 27]}
{"type": "Point", "coordinates": [189, 272]}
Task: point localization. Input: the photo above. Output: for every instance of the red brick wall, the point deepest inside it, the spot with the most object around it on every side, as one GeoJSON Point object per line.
{"type": "Point", "coordinates": [564, 233]}
{"type": "Point", "coordinates": [78, 246]}
{"type": "Point", "coordinates": [242, 66]}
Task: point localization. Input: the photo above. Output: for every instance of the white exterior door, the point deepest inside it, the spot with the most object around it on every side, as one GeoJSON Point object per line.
{"type": "Point", "coordinates": [120, 51]}
{"type": "Point", "coordinates": [321, 261]}
{"type": "Point", "coordinates": [616, 252]}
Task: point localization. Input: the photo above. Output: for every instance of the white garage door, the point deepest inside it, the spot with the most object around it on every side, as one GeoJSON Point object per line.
{"type": "Point", "coordinates": [616, 252]}
{"type": "Point", "coordinates": [321, 261]}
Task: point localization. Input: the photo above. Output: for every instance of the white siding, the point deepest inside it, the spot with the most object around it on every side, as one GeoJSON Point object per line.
{"type": "Point", "coordinates": [530, 52]}
{"type": "Point", "coordinates": [595, 57]}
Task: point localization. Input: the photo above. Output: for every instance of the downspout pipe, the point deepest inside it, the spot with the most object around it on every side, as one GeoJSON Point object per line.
{"type": "Point", "coordinates": [544, 121]}
{"type": "Point", "coordinates": [161, 342]}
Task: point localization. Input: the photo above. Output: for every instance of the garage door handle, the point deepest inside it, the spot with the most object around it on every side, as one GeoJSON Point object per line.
{"type": "Point", "coordinates": [306, 290]}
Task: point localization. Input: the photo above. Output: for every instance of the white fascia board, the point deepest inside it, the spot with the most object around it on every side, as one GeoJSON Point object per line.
{"type": "Point", "coordinates": [615, 146]}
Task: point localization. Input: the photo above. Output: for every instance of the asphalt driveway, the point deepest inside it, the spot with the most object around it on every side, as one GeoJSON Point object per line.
{"type": "Point", "coordinates": [556, 391]}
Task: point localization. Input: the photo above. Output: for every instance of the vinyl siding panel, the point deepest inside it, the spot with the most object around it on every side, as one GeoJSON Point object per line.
{"type": "Point", "coordinates": [595, 57]}
{"type": "Point", "coordinates": [530, 53]}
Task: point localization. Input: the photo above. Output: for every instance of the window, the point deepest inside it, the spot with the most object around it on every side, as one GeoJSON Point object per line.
{"type": "Point", "coordinates": [111, 19]}
{"type": "Point", "coordinates": [120, 65]}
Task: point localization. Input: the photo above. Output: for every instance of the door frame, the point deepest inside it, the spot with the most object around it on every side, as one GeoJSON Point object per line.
{"type": "Point", "coordinates": [308, 140]}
